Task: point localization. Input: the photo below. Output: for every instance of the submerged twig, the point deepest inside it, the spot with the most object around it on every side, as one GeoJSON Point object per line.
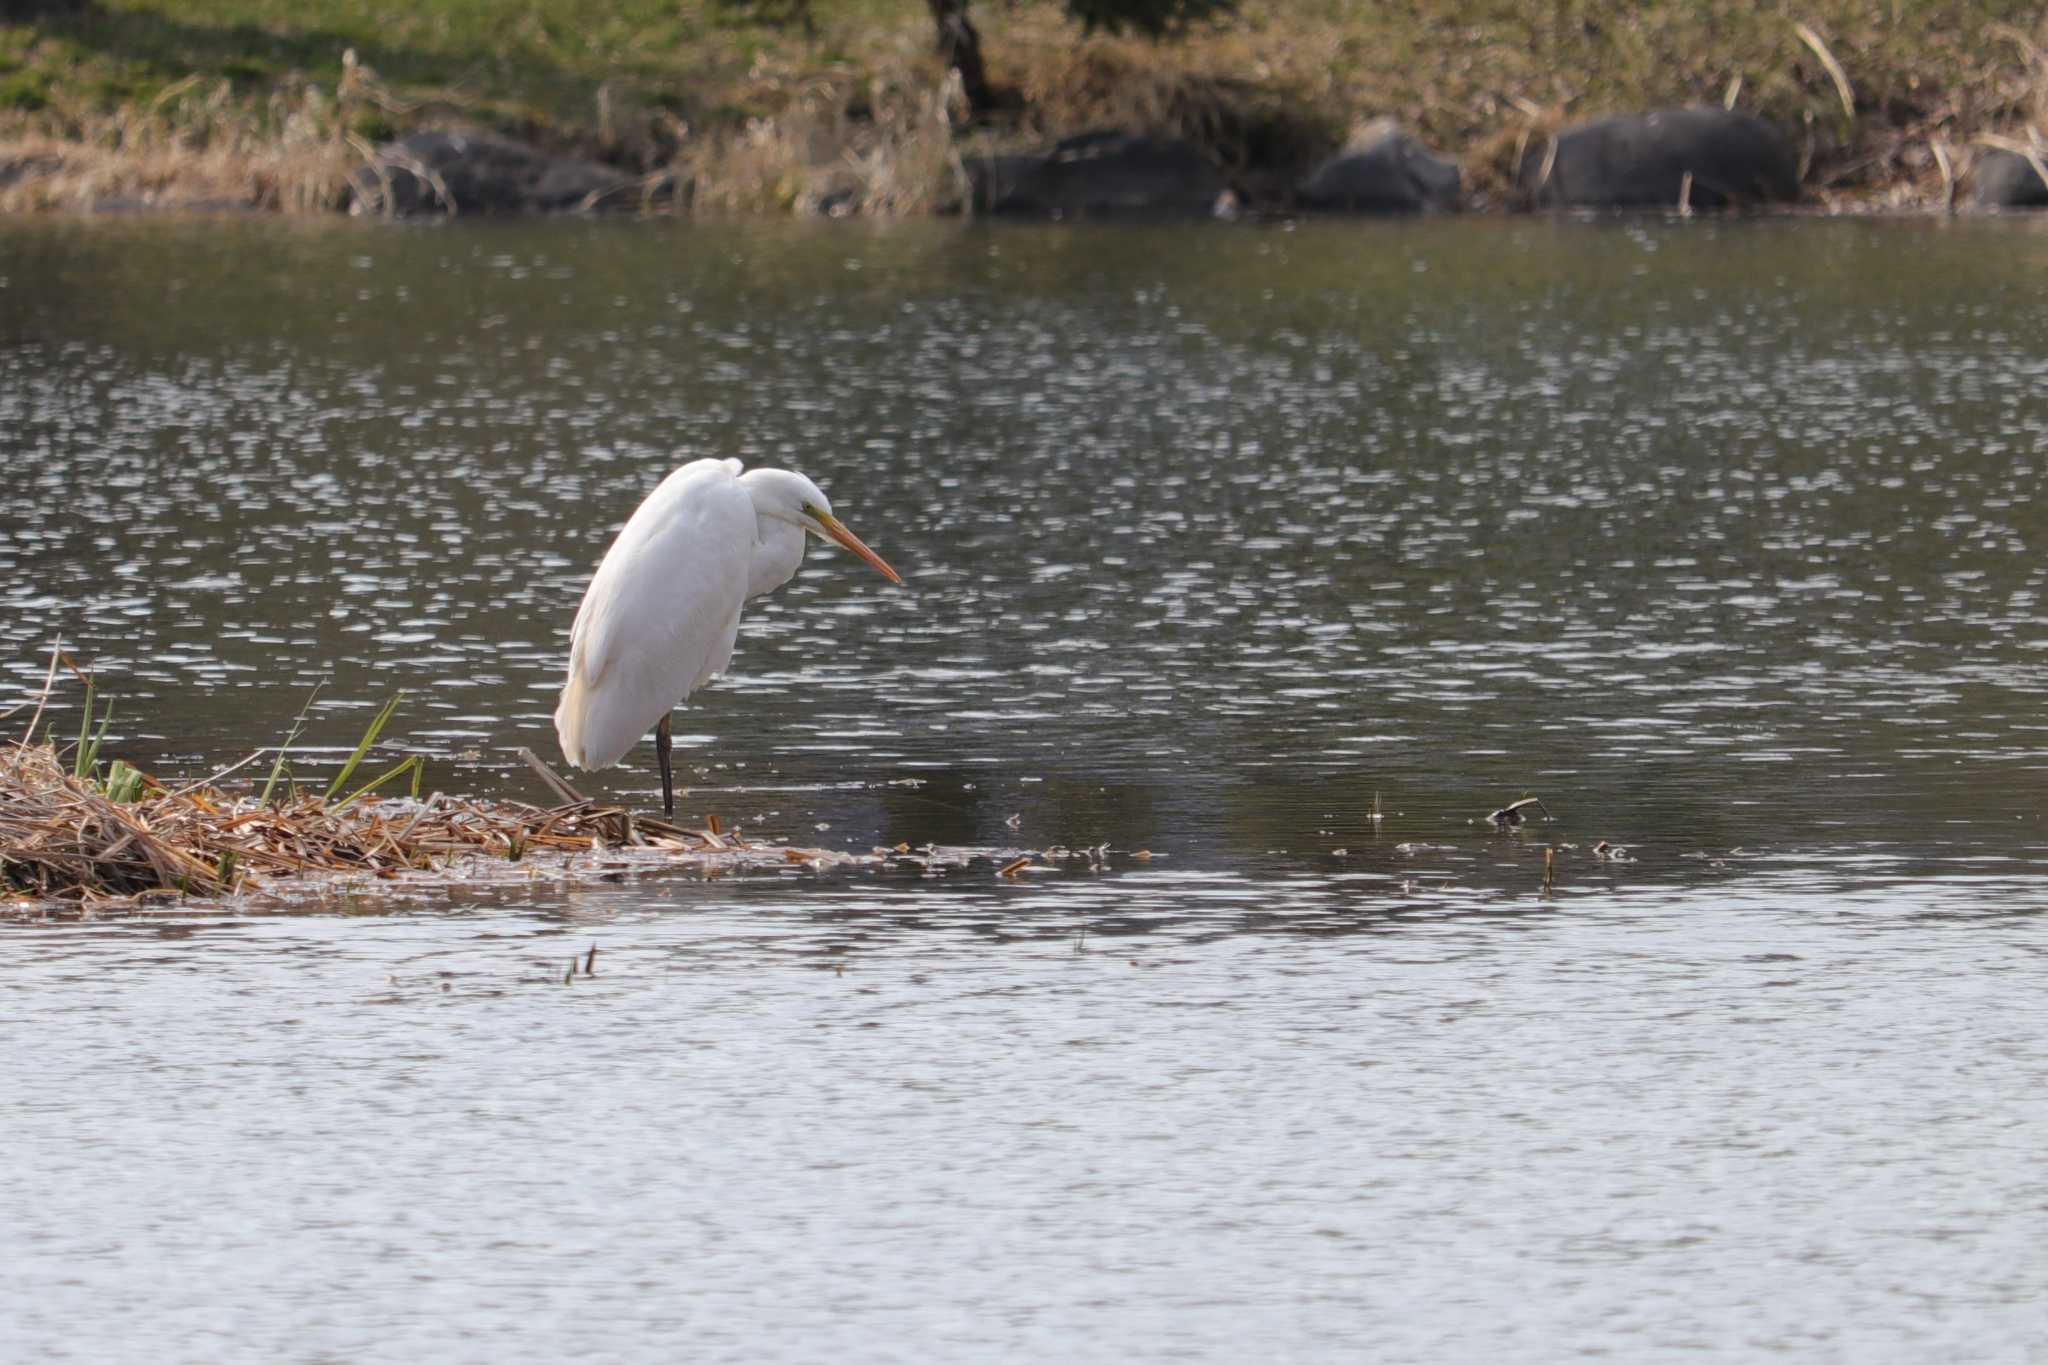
{"type": "Point", "coordinates": [1514, 814]}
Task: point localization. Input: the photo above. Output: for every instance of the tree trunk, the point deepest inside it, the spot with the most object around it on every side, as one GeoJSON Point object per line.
{"type": "Point", "coordinates": [960, 46]}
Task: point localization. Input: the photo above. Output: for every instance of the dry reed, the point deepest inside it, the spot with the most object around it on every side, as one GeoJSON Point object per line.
{"type": "Point", "coordinates": [63, 839]}
{"type": "Point", "coordinates": [195, 145]}
{"type": "Point", "coordinates": [837, 143]}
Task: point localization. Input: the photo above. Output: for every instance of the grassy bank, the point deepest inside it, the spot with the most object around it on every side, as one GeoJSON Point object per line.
{"type": "Point", "coordinates": [270, 103]}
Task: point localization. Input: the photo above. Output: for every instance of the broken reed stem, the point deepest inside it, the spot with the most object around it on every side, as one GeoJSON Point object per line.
{"type": "Point", "coordinates": [564, 793]}
{"type": "Point", "coordinates": [1834, 69]}
{"type": "Point", "coordinates": [43, 698]}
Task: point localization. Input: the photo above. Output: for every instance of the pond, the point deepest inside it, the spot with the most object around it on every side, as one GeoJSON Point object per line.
{"type": "Point", "coordinates": [1280, 555]}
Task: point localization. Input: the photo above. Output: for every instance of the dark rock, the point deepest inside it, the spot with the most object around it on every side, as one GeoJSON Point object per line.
{"type": "Point", "coordinates": [998, 183]}
{"type": "Point", "coordinates": [998, 179]}
{"type": "Point", "coordinates": [2004, 179]}
{"type": "Point", "coordinates": [1103, 174]}
{"type": "Point", "coordinates": [482, 173]}
{"type": "Point", "coordinates": [840, 203]}
{"type": "Point", "coordinates": [1641, 161]}
{"type": "Point", "coordinates": [1384, 169]}
{"type": "Point", "coordinates": [27, 168]}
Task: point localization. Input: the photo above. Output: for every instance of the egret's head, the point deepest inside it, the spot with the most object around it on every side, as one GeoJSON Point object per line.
{"type": "Point", "coordinates": [787, 496]}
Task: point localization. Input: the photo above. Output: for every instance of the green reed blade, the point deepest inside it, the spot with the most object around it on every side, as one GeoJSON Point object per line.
{"type": "Point", "coordinates": [124, 784]}
{"type": "Point", "coordinates": [363, 746]}
{"type": "Point", "coordinates": [84, 733]}
{"type": "Point", "coordinates": [414, 764]}
{"type": "Point", "coordinates": [277, 768]}
{"type": "Point", "coordinates": [88, 759]}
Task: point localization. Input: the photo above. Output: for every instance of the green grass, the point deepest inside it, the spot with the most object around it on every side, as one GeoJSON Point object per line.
{"type": "Point", "coordinates": [538, 60]}
{"type": "Point", "coordinates": [280, 767]}
{"type": "Point", "coordinates": [124, 784]}
{"type": "Point", "coordinates": [651, 82]}
{"type": "Point", "coordinates": [414, 765]}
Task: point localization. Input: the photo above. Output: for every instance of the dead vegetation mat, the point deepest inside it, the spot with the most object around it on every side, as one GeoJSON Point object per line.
{"type": "Point", "coordinates": [64, 841]}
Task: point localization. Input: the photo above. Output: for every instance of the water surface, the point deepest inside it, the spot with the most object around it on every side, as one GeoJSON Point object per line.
{"type": "Point", "coordinates": [1724, 538]}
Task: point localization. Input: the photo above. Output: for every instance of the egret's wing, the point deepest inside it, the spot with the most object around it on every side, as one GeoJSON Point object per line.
{"type": "Point", "coordinates": [661, 612]}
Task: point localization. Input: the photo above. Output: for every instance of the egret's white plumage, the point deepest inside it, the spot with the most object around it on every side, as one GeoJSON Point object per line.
{"type": "Point", "coordinates": [663, 609]}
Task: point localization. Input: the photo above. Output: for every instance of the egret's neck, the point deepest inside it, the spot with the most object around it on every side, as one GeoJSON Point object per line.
{"type": "Point", "coordinates": [778, 551]}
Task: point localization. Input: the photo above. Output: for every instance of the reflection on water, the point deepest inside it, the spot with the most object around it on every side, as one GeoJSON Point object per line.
{"type": "Point", "coordinates": [1441, 514]}
{"type": "Point", "coordinates": [1283, 555]}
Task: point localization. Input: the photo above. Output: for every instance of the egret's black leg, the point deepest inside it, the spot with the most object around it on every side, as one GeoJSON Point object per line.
{"type": "Point", "coordinates": [662, 746]}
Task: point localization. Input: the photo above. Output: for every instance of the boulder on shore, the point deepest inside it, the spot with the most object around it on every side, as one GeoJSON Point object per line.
{"type": "Point", "coordinates": [1641, 161]}
{"type": "Point", "coordinates": [2005, 179]}
{"type": "Point", "coordinates": [1101, 175]}
{"type": "Point", "coordinates": [1383, 169]}
{"type": "Point", "coordinates": [467, 172]}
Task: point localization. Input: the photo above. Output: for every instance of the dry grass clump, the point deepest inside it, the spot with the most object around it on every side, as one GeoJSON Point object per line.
{"type": "Point", "coordinates": [2014, 116]}
{"type": "Point", "coordinates": [1910, 120]}
{"type": "Point", "coordinates": [194, 145]}
{"type": "Point", "coordinates": [66, 839]}
{"type": "Point", "coordinates": [1243, 123]}
{"type": "Point", "coordinates": [834, 143]}
{"type": "Point", "coordinates": [116, 171]}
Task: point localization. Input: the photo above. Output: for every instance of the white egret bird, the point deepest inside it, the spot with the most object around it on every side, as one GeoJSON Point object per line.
{"type": "Point", "coordinates": [663, 609]}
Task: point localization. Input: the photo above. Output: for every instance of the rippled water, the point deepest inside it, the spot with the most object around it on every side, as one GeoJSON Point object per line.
{"type": "Point", "coordinates": [1724, 538]}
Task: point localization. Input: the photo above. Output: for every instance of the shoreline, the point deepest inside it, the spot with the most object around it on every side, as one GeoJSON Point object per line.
{"type": "Point", "coordinates": [42, 177]}
{"type": "Point", "coordinates": [104, 106]}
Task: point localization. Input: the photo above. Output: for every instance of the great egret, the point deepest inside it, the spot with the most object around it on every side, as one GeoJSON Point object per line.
{"type": "Point", "coordinates": [663, 609]}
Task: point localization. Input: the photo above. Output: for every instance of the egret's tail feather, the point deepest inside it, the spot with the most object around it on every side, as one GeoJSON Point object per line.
{"type": "Point", "coordinates": [596, 731]}
{"type": "Point", "coordinates": [569, 714]}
